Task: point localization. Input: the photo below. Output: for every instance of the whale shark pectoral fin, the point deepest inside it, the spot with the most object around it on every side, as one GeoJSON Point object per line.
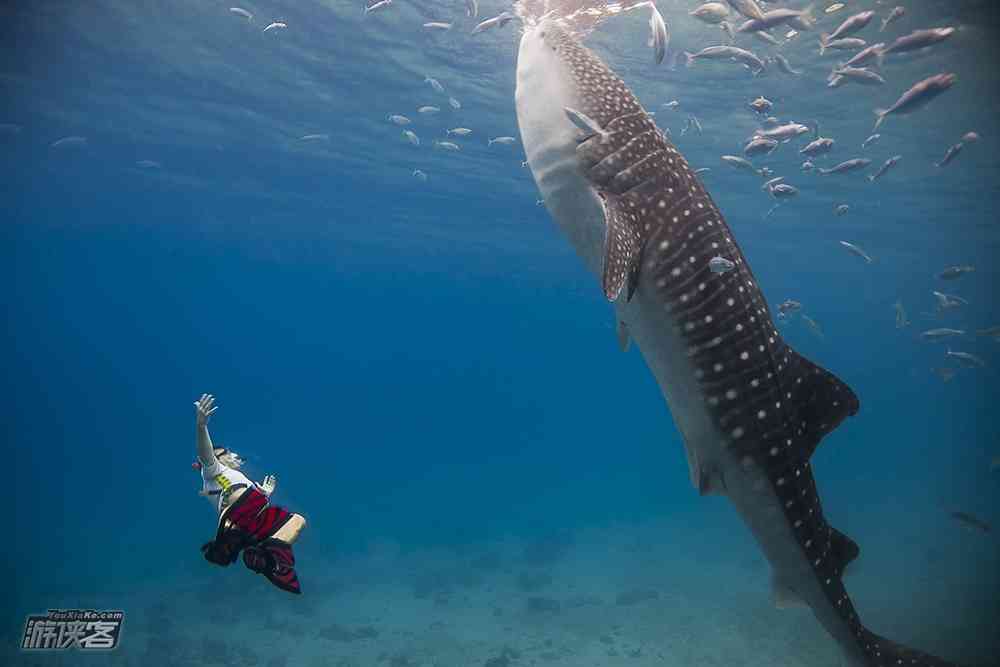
{"type": "Point", "coordinates": [821, 402]}
{"type": "Point", "coordinates": [621, 248]}
{"type": "Point", "coordinates": [784, 597]}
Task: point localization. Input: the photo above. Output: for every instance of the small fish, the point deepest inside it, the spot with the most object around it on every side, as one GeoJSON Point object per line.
{"type": "Point", "coordinates": [748, 8]}
{"type": "Point", "coordinates": [434, 83]}
{"type": "Point", "coordinates": [950, 154]}
{"type": "Point", "coordinates": [761, 105]}
{"type": "Point", "coordinates": [946, 373]}
{"type": "Point", "coordinates": [870, 140]}
{"type": "Point", "coordinates": [841, 210]}
{"type": "Point", "coordinates": [239, 11]}
{"type": "Point", "coordinates": [953, 272]}
{"type": "Point", "coordinates": [397, 119]}
{"type": "Point", "coordinates": [419, 175]}
{"type": "Point", "coordinates": [765, 172]}
{"type": "Point", "coordinates": [789, 306]}
{"type": "Point", "coordinates": [472, 8]}
{"type": "Point", "coordinates": [896, 13]}
{"type": "Point", "coordinates": [727, 53]}
{"type": "Point", "coordinates": [694, 123]}
{"type": "Point", "coordinates": [428, 109]}
{"type": "Point", "coordinates": [851, 25]}
{"type": "Point", "coordinates": [970, 138]}
{"type": "Point", "coordinates": [148, 164]}
{"type": "Point", "coordinates": [765, 36]}
{"type": "Point", "coordinates": [588, 125]}
{"type": "Point", "coordinates": [498, 21]}
{"type": "Point", "coordinates": [770, 183]}
{"type": "Point", "coordinates": [274, 26]}
{"type": "Point", "coordinates": [738, 162]}
{"type": "Point", "coordinates": [791, 34]}
{"type": "Point", "coordinates": [917, 96]}
{"type": "Point", "coordinates": [847, 166]}
{"type": "Point", "coordinates": [455, 104]}
{"type": "Point", "coordinates": [783, 191]}
{"type": "Point", "coordinates": [703, 170]}
{"type": "Point", "coordinates": [857, 251]}
{"type": "Point", "coordinates": [314, 137]}
{"type": "Point", "coordinates": [719, 265]}
{"type": "Point", "coordinates": [844, 44]}
{"type": "Point", "coordinates": [970, 521]}
{"type": "Point", "coordinates": [459, 131]}
{"type": "Point", "coordinates": [378, 6]}
{"type": "Point", "coordinates": [901, 320]}
{"type": "Point", "coordinates": [447, 145]}
{"type": "Point", "coordinates": [760, 146]}
{"type": "Point", "coordinates": [948, 301]}
{"type": "Point", "coordinates": [672, 105]}
{"type": "Point", "coordinates": [808, 166]}
{"type": "Point", "coordinates": [437, 25]}
{"type": "Point", "coordinates": [412, 137]}
{"type": "Point", "coordinates": [886, 166]}
{"type": "Point", "coordinates": [784, 65]}
{"type": "Point", "coordinates": [966, 358]}
{"type": "Point", "coordinates": [770, 20]}
{"type": "Point", "coordinates": [835, 7]}
{"type": "Point", "coordinates": [935, 335]}
{"type": "Point", "coordinates": [813, 326]}
{"type": "Point", "coordinates": [507, 141]}
{"type": "Point", "coordinates": [860, 75]}
{"type": "Point", "coordinates": [865, 55]}
{"type": "Point", "coordinates": [835, 81]}
{"type": "Point", "coordinates": [660, 37]}
{"type": "Point", "coordinates": [71, 141]}
{"type": "Point", "coordinates": [918, 39]}
{"type": "Point", "coordinates": [785, 132]}
{"type": "Point", "coordinates": [817, 147]}
{"type": "Point", "coordinates": [991, 332]}
{"type": "Point", "coordinates": [711, 12]}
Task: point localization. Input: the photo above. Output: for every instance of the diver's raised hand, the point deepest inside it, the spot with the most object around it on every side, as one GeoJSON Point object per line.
{"type": "Point", "coordinates": [269, 484]}
{"type": "Point", "coordinates": [204, 407]}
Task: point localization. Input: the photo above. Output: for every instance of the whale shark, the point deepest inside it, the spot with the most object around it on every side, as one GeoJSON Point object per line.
{"type": "Point", "coordinates": [750, 409]}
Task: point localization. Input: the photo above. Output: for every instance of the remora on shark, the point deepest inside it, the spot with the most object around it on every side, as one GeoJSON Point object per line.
{"type": "Point", "coordinates": [750, 409]}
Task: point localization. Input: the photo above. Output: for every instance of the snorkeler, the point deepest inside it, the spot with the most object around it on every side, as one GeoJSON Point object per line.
{"type": "Point", "coordinates": [247, 519]}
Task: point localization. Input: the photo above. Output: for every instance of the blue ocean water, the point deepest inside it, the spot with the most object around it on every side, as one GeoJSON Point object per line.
{"type": "Point", "coordinates": [427, 367]}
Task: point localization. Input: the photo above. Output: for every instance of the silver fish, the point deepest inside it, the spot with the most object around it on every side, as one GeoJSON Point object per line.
{"type": "Point", "coordinates": [784, 65]}
{"type": "Point", "coordinates": [846, 166]}
{"type": "Point", "coordinates": [948, 301]}
{"type": "Point", "coordinates": [865, 55]}
{"type": "Point", "coordinates": [784, 132]}
{"type": "Point", "coordinates": [770, 183]}
{"type": "Point", "coordinates": [935, 335]}
{"type": "Point", "coordinates": [886, 166]}
{"type": "Point", "coordinates": [472, 8]}
{"type": "Point", "coordinates": [765, 36]}
{"type": "Point", "coordinates": [239, 11]}
{"type": "Point", "coordinates": [970, 137]}
{"type": "Point", "coordinates": [760, 146]}
{"type": "Point", "coordinates": [148, 164]}
{"type": "Point", "coordinates": [587, 124]}
{"type": "Point", "coordinates": [314, 137]}
{"type": "Point", "coordinates": [397, 119]}
{"type": "Point", "coordinates": [719, 265]}
{"type": "Point", "coordinates": [660, 37]}
{"type": "Point", "coordinates": [851, 25]}
{"type": "Point", "coordinates": [817, 147]}
{"type": "Point", "coordinates": [857, 251]}
{"type": "Point", "coordinates": [953, 272]}
{"type": "Point", "coordinates": [967, 358]}
{"type": "Point", "coordinates": [842, 209]}
{"type": "Point", "coordinates": [870, 140]}
{"type": "Point", "coordinates": [770, 20]}
{"type": "Point", "coordinates": [902, 321]}
{"type": "Point", "coordinates": [428, 109]}
{"type": "Point", "coordinates": [498, 21]}
{"type": "Point", "coordinates": [412, 137]}
{"type": "Point", "coordinates": [459, 131]}
{"type": "Point", "coordinates": [950, 154]}
{"type": "Point", "coordinates": [437, 25]}
{"type": "Point", "coordinates": [783, 191]}
{"type": "Point", "coordinates": [378, 6]}
{"type": "Point", "coordinates": [918, 39]}
{"type": "Point", "coordinates": [813, 326]}
{"type": "Point", "coordinates": [702, 348]}
{"type": "Point", "coordinates": [748, 8]}
{"type": "Point", "coordinates": [896, 13]}
{"type": "Point", "coordinates": [738, 162]}
{"type": "Point", "coordinates": [917, 96]}
{"type": "Point", "coordinates": [843, 44]}
{"type": "Point", "coordinates": [723, 52]}
{"type": "Point", "coordinates": [448, 145]}
{"type": "Point", "coordinates": [434, 83]}
{"type": "Point", "coordinates": [419, 175]}
{"type": "Point", "coordinates": [67, 142]}
{"type": "Point", "coordinates": [275, 26]}
{"type": "Point", "coordinates": [454, 104]}
{"type": "Point", "coordinates": [711, 12]}
{"type": "Point", "coordinates": [860, 75]}
{"type": "Point", "coordinates": [789, 306]}
{"type": "Point", "coordinates": [506, 141]}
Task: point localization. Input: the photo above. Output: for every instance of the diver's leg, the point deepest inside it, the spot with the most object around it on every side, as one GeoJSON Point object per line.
{"type": "Point", "coordinates": [290, 531]}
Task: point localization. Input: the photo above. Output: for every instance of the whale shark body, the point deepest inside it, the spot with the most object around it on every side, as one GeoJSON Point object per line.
{"type": "Point", "coordinates": [750, 409]}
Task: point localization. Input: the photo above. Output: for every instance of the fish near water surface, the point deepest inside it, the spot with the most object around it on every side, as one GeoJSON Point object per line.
{"type": "Point", "coordinates": [750, 409]}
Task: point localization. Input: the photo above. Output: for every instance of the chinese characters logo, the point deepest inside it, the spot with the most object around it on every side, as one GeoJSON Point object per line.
{"type": "Point", "coordinates": [84, 629]}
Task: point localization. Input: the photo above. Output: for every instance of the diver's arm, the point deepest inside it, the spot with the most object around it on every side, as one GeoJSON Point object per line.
{"type": "Point", "coordinates": [203, 408]}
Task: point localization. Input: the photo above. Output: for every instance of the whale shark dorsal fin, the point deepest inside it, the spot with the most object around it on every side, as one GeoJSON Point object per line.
{"type": "Point", "coordinates": [843, 549]}
{"type": "Point", "coordinates": [621, 248]}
